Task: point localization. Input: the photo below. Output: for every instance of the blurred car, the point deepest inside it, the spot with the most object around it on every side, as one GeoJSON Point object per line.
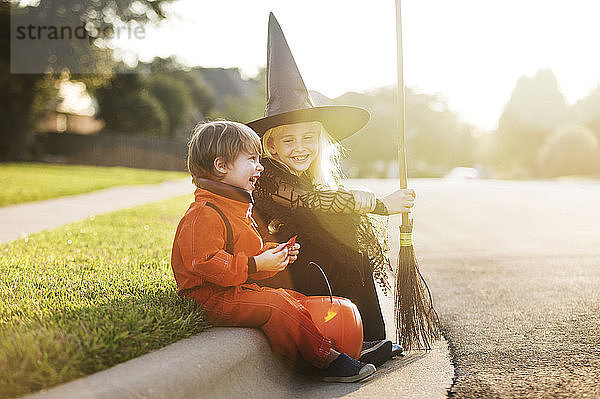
{"type": "Point", "coordinates": [462, 172]}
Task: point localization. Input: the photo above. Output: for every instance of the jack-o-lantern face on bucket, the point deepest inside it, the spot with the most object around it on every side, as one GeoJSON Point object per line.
{"type": "Point", "coordinates": [338, 320]}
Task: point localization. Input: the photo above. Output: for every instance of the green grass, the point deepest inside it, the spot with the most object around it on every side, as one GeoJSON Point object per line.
{"type": "Point", "coordinates": [24, 182]}
{"type": "Point", "coordinates": [84, 297]}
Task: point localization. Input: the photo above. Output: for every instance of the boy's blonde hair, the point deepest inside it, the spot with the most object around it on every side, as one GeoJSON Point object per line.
{"type": "Point", "coordinates": [218, 139]}
{"type": "Point", "coordinates": [325, 170]}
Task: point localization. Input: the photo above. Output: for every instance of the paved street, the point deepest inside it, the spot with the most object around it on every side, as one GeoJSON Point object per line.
{"type": "Point", "coordinates": [514, 268]}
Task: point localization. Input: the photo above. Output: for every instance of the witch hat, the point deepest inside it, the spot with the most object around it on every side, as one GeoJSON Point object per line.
{"type": "Point", "coordinates": [288, 100]}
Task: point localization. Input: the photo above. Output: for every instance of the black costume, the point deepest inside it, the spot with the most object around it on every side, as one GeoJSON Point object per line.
{"type": "Point", "coordinates": [344, 243]}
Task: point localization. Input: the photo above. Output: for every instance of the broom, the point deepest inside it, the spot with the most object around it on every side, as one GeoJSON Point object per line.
{"type": "Point", "coordinates": [417, 323]}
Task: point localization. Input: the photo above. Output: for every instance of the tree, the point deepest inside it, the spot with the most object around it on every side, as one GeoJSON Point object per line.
{"type": "Point", "coordinates": [201, 95]}
{"type": "Point", "coordinates": [377, 141]}
{"type": "Point", "coordinates": [181, 94]}
{"type": "Point", "coordinates": [588, 111]}
{"type": "Point", "coordinates": [535, 109]}
{"type": "Point", "coordinates": [436, 139]}
{"type": "Point", "coordinates": [174, 97]}
{"type": "Point", "coordinates": [126, 106]}
{"type": "Point", "coordinates": [245, 108]}
{"type": "Point", "coordinates": [19, 91]}
{"type": "Point", "coordinates": [16, 99]}
{"type": "Point", "coordinates": [571, 150]}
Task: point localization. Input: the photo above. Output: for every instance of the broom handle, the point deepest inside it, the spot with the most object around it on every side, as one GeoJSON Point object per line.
{"type": "Point", "coordinates": [401, 101]}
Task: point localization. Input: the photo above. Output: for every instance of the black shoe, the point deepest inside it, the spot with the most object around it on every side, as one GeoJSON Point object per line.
{"type": "Point", "coordinates": [376, 352]}
{"type": "Point", "coordinates": [346, 369]}
{"type": "Point", "coordinates": [396, 350]}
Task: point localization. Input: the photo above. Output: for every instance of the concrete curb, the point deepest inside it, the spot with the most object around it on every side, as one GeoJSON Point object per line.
{"type": "Point", "coordinates": [219, 362]}
{"type": "Point", "coordinates": [239, 363]}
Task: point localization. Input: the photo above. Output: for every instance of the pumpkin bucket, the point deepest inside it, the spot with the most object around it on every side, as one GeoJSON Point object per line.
{"type": "Point", "coordinates": [336, 318]}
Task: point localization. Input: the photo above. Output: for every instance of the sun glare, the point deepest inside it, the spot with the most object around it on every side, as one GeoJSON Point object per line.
{"type": "Point", "coordinates": [469, 52]}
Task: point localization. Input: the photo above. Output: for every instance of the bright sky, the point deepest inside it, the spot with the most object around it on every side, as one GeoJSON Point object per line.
{"type": "Point", "coordinates": [471, 52]}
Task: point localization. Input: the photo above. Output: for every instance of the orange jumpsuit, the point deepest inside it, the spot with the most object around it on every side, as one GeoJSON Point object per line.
{"type": "Point", "coordinates": [218, 281]}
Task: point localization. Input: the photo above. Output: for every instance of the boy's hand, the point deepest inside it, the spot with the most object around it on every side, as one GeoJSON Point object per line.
{"type": "Point", "coordinates": [293, 252]}
{"type": "Point", "coordinates": [364, 201]}
{"type": "Point", "coordinates": [270, 245]}
{"type": "Point", "coordinates": [273, 260]}
{"type": "Point", "coordinates": [291, 242]}
{"type": "Point", "coordinates": [400, 201]}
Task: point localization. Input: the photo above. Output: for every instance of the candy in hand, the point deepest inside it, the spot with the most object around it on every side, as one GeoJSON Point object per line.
{"type": "Point", "coordinates": [291, 242]}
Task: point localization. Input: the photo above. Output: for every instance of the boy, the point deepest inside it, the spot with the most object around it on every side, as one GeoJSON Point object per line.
{"type": "Point", "coordinates": [217, 252]}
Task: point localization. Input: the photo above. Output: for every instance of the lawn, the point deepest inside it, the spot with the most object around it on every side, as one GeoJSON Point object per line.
{"type": "Point", "coordinates": [89, 295]}
{"type": "Point", "coordinates": [24, 182]}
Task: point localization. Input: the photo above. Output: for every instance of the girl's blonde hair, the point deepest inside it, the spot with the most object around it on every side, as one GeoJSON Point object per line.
{"type": "Point", "coordinates": [325, 170]}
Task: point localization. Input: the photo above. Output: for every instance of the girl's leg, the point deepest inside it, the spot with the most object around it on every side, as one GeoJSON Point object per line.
{"type": "Point", "coordinates": [347, 284]}
{"type": "Point", "coordinates": [367, 301]}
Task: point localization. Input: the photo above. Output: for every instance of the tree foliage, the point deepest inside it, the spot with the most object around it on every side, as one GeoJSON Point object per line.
{"type": "Point", "coordinates": [245, 109]}
{"type": "Point", "coordinates": [126, 106]}
{"type": "Point", "coordinates": [180, 97]}
{"type": "Point", "coordinates": [19, 91]}
{"type": "Point", "coordinates": [535, 109]}
{"type": "Point", "coordinates": [174, 98]}
{"type": "Point", "coordinates": [587, 111]}
{"type": "Point", "coordinates": [571, 150]}
{"type": "Point", "coordinates": [436, 139]}
{"type": "Point", "coordinates": [16, 98]}
{"type": "Point", "coordinates": [198, 91]}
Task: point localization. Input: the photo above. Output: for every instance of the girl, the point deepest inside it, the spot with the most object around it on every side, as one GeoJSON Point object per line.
{"type": "Point", "coordinates": [299, 194]}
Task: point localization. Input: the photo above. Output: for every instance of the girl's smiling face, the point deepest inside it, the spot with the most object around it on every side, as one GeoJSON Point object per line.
{"type": "Point", "coordinates": [296, 145]}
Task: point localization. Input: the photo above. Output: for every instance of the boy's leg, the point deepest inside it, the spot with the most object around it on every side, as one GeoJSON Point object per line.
{"type": "Point", "coordinates": [279, 315]}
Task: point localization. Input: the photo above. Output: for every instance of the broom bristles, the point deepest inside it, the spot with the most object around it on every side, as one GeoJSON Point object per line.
{"type": "Point", "coordinates": [417, 322]}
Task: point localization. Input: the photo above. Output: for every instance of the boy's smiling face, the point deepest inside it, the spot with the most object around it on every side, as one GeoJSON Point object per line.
{"type": "Point", "coordinates": [243, 172]}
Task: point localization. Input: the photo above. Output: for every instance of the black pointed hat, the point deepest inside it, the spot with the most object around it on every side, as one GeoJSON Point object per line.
{"type": "Point", "coordinates": [288, 100]}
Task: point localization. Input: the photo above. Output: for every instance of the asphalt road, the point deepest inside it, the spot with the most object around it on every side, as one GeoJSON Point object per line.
{"type": "Point", "coordinates": [514, 268]}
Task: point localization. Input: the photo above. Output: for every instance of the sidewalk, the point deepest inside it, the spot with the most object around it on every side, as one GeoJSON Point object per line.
{"type": "Point", "coordinates": [220, 362]}
{"type": "Point", "coordinates": [19, 220]}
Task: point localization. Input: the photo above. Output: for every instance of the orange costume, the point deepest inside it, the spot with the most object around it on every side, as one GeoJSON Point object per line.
{"type": "Point", "coordinates": [221, 282]}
